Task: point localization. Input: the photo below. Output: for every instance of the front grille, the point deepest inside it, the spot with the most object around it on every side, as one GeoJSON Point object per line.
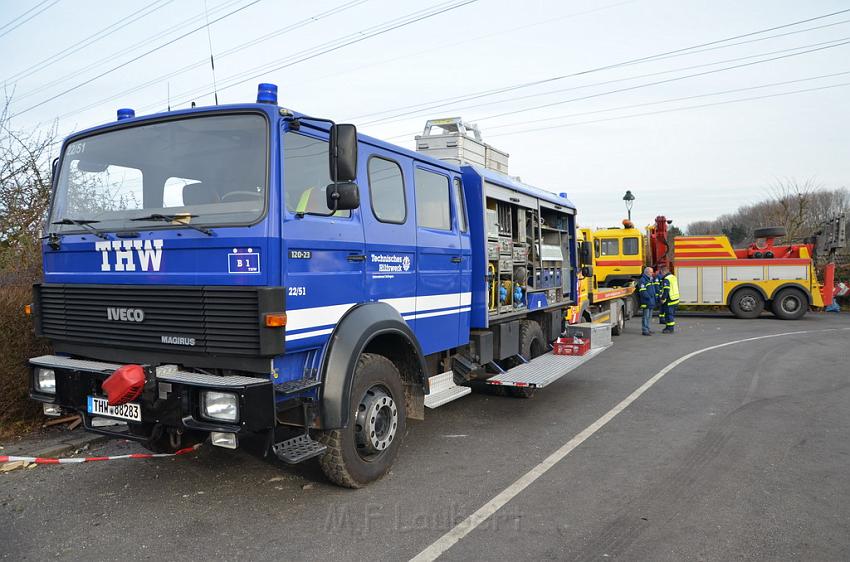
{"type": "Point", "coordinates": [220, 320]}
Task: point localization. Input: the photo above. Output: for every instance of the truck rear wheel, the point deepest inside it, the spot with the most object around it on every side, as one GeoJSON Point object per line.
{"type": "Point", "coordinates": [746, 303]}
{"type": "Point", "coordinates": [365, 450]}
{"type": "Point", "coordinates": [789, 304]}
{"type": "Point", "coordinates": [532, 343]}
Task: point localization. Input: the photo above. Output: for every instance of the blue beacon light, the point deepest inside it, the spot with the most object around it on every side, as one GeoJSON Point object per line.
{"type": "Point", "coordinates": [125, 113]}
{"type": "Point", "coordinates": [267, 93]}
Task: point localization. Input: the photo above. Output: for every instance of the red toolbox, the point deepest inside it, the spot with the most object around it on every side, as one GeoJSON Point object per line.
{"type": "Point", "coordinates": [571, 346]}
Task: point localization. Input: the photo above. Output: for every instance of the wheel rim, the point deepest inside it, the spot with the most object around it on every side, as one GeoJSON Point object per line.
{"type": "Point", "coordinates": [376, 424]}
{"type": "Point", "coordinates": [790, 304]}
{"type": "Point", "coordinates": [748, 303]}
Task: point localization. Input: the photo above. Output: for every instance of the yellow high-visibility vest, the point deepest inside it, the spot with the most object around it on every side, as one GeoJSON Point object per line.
{"type": "Point", "coordinates": [673, 291]}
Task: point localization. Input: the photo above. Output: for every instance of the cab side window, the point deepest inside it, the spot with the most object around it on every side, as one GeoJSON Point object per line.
{"type": "Point", "coordinates": [631, 246]}
{"type": "Point", "coordinates": [306, 176]}
{"type": "Point", "coordinates": [433, 207]}
{"type": "Point", "coordinates": [386, 190]}
{"type": "Point", "coordinates": [610, 247]}
{"type": "Point", "coordinates": [460, 205]}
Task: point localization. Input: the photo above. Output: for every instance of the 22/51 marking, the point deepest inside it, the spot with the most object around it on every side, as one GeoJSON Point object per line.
{"type": "Point", "coordinates": [297, 291]}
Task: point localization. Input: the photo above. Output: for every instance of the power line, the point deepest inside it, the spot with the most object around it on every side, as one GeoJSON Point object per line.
{"type": "Point", "coordinates": [686, 108]}
{"type": "Point", "coordinates": [467, 40]}
{"type": "Point", "coordinates": [91, 39]}
{"type": "Point", "coordinates": [616, 80]}
{"type": "Point", "coordinates": [828, 45]}
{"type": "Point", "coordinates": [122, 65]}
{"type": "Point", "coordinates": [647, 75]}
{"type": "Point", "coordinates": [328, 47]}
{"type": "Point", "coordinates": [16, 18]}
{"type": "Point", "coordinates": [667, 81]}
{"type": "Point", "coordinates": [98, 64]}
{"type": "Point", "coordinates": [201, 62]}
{"type": "Point", "coordinates": [19, 24]}
{"type": "Point", "coordinates": [716, 44]}
{"type": "Point", "coordinates": [671, 100]}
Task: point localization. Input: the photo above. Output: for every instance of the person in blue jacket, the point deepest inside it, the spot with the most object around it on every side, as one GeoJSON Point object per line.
{"type": "Point", "coordinates": [648, 295]}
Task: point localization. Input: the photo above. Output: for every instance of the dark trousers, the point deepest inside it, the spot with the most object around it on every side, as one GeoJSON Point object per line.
{"type": "Point", "coordinates": [670, 317]}
{"type": "Point", "coordinates": [662, 314]}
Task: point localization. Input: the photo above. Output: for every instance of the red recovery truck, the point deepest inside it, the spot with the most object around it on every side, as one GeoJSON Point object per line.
{"type": "Point", "coordinates": [763, 275]}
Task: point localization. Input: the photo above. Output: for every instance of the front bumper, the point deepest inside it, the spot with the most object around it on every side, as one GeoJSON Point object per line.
{"type": "Point", "coordinates": [170, 399]}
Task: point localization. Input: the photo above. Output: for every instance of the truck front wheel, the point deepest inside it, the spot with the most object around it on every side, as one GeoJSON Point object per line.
{"type": "Point", "coordinates": [746, 303]}
{"type": "Point", "coordinates": [365, 450]}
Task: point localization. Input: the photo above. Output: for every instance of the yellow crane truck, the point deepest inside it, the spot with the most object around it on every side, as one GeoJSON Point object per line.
{"type": "Point", "coordinates": [764, 275]}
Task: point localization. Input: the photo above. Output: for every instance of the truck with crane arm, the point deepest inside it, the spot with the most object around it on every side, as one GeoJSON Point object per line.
{"type": "Point", "coordinates": [280, 283]}
{"type": "Point", "coordinates": [782, 278]}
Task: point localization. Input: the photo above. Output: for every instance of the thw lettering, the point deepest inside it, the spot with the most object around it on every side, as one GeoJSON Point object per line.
{"type": "Point", "coordinates": [121, 255]}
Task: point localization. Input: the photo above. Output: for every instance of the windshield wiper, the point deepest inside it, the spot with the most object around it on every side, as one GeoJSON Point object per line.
{"type": "Point", "coordinates": [178, 219]}
{"type": "Point", "coordinates": [85, 223]}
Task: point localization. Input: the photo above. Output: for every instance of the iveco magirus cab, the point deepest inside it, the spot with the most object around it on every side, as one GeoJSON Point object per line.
{"type": "Point", "coordinates": [266, 280]}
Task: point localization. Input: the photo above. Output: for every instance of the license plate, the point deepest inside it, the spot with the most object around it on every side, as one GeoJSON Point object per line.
{"type": "Point", "coordinates": [101, 407]}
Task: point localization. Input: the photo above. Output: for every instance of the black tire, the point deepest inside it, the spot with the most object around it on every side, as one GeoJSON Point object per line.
{"type": "Point", "coordinates": [532, 343]}
{"type": "Point", "coordinates": [746, 303]}
{"type": "Point", "coordinates": [769, 232]}
{"type": "Point", "coordinates": [357, 455]}
{"type": "Point", "coordinates": [618, 327]}
{"type": "Point", "coordinates": [789, 304]}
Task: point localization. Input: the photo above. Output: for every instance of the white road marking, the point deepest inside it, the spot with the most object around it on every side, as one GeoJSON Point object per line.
{"type": "Point", "coordinates": [469, 524]}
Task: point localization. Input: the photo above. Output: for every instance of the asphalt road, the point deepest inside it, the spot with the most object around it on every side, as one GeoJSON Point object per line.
{"type": "Point", "coordinates": [737, 453]}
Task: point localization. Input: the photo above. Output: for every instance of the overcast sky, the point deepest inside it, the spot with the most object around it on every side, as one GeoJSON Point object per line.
{"type": "Point", "coordinates": [688, 164]}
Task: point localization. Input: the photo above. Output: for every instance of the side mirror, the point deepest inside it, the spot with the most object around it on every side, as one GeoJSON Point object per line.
{"type": "Point", "coordinates": [587, 271]}
{"type": "Point", "coordinates": [343, 196]}
{"type": "Point", "coordinates": [343, 153]}
{"type": "Point", "coordinates": [584, 254]}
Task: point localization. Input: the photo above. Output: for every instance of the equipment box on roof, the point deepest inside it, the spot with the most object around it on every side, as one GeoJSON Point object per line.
{"type": "Point", "coordinates": [460, 143]}
{"type": "Point", "coordinates": [454, 144]}
{"type": "Point", "coordinates": [496, 159]}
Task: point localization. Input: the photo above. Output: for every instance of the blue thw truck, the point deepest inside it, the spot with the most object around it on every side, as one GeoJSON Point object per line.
{"type": "Point", "coordinates": [280, 283]}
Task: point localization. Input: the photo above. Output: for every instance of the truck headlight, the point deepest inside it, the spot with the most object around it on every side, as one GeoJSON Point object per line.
{"type": "Point", "coordinates": [221, 406]}
{"type": "Point", "coordinates": [45, 380]}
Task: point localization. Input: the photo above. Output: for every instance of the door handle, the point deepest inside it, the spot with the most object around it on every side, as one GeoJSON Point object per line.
{"type": "Point", "coordinates": [356, 257]}
{"type": "Point", "coordinates": [456, 259]}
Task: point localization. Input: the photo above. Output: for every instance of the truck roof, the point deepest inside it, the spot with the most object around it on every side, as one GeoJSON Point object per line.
{"type": "Point", "coordinates": [269, 109]}
{"type": "Point", "coordinates": [513, 183]}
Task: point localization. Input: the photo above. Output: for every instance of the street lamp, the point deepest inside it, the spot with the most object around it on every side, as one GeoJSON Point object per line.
{"type": "Point", "coordinates": [630, 200]}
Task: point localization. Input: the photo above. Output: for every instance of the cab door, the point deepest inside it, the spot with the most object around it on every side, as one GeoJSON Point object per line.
{"type": "Point", "coordinates": [439, 261]}
{"type": "Point", "coordinates": [462, 225]}
{"type": "Point", "coordinates": [323, 253]}
{"type": "Point", "coordinates": [389, 225]}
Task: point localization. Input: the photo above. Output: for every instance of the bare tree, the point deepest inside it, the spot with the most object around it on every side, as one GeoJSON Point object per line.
{"type": "Point", "coordinates": [793, 202]}
{"type": "Point", "coordinates": [802, 207]}
{"type": "Point", "coordinates": [25, 170]}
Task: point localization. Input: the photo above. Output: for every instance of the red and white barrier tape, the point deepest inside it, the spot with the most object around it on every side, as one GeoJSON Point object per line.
{"type": "Point", "coordinates": [41, 460]}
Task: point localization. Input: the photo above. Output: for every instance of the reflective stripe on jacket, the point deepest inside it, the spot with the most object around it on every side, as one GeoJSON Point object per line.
{"type": "Point", "coordinates": [670, 291]}
{"type": "Point", "coordinates": [647, 292]}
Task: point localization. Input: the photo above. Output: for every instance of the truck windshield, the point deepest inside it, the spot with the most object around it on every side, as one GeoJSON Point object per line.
{"type": "Point", "coordinates": [208, 170]}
